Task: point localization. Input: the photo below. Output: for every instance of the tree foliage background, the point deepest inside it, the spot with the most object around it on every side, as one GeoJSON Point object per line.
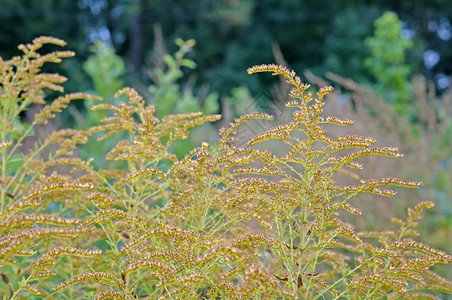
{"type": "Point", "coordinates": [232, 34]}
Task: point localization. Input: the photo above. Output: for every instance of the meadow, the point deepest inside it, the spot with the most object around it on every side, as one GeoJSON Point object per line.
{"type": "Point", "coordinates": [143, 217]}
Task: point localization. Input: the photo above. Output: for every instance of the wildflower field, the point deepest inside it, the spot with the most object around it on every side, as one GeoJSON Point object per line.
{"type": "Point", "coordinates": [147, 213]}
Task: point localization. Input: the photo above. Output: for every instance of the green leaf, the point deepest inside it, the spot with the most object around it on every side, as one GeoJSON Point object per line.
{"type": "Point", "coordinates": [169, 60]}
{"type": "Point", "coordinates": [188, 63]}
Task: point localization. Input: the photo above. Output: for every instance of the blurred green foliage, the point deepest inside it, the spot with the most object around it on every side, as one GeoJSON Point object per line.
{"type": "Point", "coordinates": [105, 69]}
{"type": "Point", "coordinates": [345, 43]}
{"type": "Point", "coordinates": [167, 93]}
{"type": "Point", "coordinates": [170, 97]}
{"type": "Point", "coordinates": [388, 60]}
{"type": "Point", "coordinates": [320, 35]}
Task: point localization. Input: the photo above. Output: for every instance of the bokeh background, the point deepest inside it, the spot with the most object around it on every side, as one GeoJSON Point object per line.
{"type": "Point", "coordinates": [389, 61]}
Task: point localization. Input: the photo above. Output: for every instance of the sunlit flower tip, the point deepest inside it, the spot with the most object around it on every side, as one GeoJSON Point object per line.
{"type": "Point", "coordinates": [257, 68]}
{"type": "Point", "coordinates": [112, 295]}
{"type": "Point", "coordinates": [347, 207]}
{"type": "Point", "coordinates": [32, 289]}
{"type": "Point", "coordinates": [60, 186]}
{"type": "Point", "coordinates": [307, 97]}
{"type": "Point", "coordinates": [150, 171]}
{"type": "Point", "coordinates": [293, 103]}
{"type": "Point", "coordinates": [42, 275]}
{"type": "Point", "coordinates": [39, 41]}
{"type": "Point", "coordinates": [272, 68]}
{"type": "Point", "coordinates": [254, 116]}
{"type": "Point", "coordinates": [337, 121]}
{"type": "Point", "coordinates": [348, 145]}
{"type": "Point", "coordinates": [323, 91]}
{"type": "Point", "coordinates": [106, 213]}
{"type": "Point", "coordinates": [5, 145]}
{"type": "Point", "coordinates": [382, 192]}
{"type": "Point", "coordinates": [354, 165]}
{"type": "Point", "coordinates": [46, 219]}
{"type": "Point", "coordinates": [192, 278]}
{"type": "Point", "coordinates": [418, 246]}
{"type": "Point", "coordinates": [423, 296]}
{"type": "Point", "coordinates": [100, 277]}
{"type": "Point", "coordinates": [425, 204]}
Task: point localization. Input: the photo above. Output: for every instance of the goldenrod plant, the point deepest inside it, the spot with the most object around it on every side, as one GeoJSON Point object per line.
{"type": "Point", "coordinates": [223, 222]}
{"type": "Point", "coordinates": [425, 143]}
{"type": "Point", "coordinates": [38, 204]}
